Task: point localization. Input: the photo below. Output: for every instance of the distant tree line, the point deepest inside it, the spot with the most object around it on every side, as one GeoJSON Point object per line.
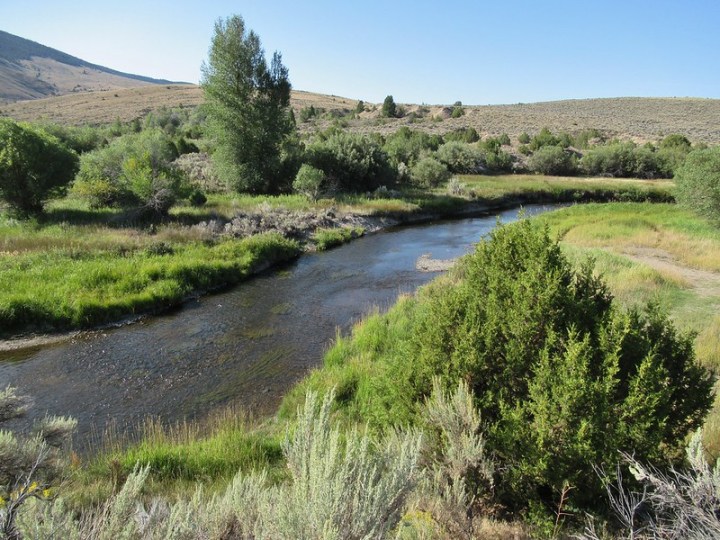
{"type": "Point", "coordinates": [245, 140]}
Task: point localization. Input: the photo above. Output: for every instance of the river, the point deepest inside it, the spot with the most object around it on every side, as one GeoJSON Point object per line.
{"type": "Point", "coordinates": [247, 345]}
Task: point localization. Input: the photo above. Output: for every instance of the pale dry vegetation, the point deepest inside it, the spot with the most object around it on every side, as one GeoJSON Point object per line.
{"type": "Point", "coordinates": [104, 107]}
{"type": "Point", "coordinates": [641, 119]}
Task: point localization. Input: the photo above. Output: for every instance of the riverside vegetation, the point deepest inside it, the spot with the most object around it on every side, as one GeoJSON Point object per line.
{"type": "Point", "coordinates": [495, 402]}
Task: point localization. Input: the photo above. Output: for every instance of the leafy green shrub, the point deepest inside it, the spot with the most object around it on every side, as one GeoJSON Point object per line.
{"type": "Point", "coordinates": [544, 138]}
{"type": "Point", "coordinates": [429, 172]}
{"type": "Point", "coordinates": [133, 170]}
{"type": "Point", "coordinates": [457, 110]}
{"type": "Point", "coordinates": [524, 138]}
{"type": "Point", "coordinates": [407, 145]}
{"type": "Point", "coordinates": [558, 393]}
{"type": "Point", "coordinates": [504, 139]}
{"type": "Point", "coordinates": [306, 113]}
{"type": "Point", "coordinates": [491, 144]}
{"type": "Point", "coordinates": [80, 139]}
{"type": "Point", "coordinates": [673, 151]}
{"type": "Point", "coordinates": [466, 135]}
{"type": "Point", "coordinates": [197, 197]}
{"type": "Point", "coordinates": [498, 161]}
{"type": "Point", "coordinates": [587, 137]}
{"type": "Point", "coordinates": [309, 181]}
{"type": "Point", "coordinates": [563, 379]}
{"type": "Point", "coordinates": [459, 158]}
{"type": "Point", "coordinates": [624, 159]}
{"type": "Point", "coordinates": [698, 183]}
{"type": "Point", "coordinates": [676, 140]}
{"type": "Point", "coordinates": [351, 162]}
{"type": "Point", "coordinates": [553, 160]}
{"type": "Point", "coordinates": [34, 167]}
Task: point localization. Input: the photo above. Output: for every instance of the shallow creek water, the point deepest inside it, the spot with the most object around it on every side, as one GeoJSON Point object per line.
{"type": "Point", "coordinates": [246, 345]}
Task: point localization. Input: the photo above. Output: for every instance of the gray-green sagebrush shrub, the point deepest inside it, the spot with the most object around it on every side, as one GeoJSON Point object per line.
{"type": "Point", "coordinates": [341, 486]}
{"type": "Point", "coordinates": [562, 377]}
{"type": "Point", "coordinates": [680, 503]}
{"type": "Point", "coordinates": [31, 466]}
{"type": "Point", "coordinates": [457, 472]}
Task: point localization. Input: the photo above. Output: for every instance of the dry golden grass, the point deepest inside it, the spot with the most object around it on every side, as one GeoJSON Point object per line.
{"type": "Point", "coordinates": [104, 107]}
{"type": "Point", "coordinates": [641, 119]}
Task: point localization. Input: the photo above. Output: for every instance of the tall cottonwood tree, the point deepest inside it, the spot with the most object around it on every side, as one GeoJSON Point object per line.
{"type": "Point", "coordinates": [248, 108]}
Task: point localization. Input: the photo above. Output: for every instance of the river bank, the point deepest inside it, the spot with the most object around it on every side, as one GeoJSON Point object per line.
{"type": "Point", "coordinates": [63, 277]}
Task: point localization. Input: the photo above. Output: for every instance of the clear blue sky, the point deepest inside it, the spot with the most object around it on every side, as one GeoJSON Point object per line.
{"type": "Point", "coordinates": [478, 52]}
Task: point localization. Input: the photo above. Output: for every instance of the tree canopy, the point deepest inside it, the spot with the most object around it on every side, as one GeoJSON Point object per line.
{"type": "Point", "coordinates": [34, 167]}
{"type": "Point", "coordinates": [248, 108]}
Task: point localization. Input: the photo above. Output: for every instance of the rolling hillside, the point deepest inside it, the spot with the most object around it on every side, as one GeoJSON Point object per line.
{"type": "Point", "coordinates": [29, 70]}
{"type": "Point", "coordinates": [641, 119]}
{"type": "Point", "coordinates": [38, 83]}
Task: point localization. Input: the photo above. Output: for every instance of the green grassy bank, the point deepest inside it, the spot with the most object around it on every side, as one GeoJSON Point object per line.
{"type": "Point", "coordinates": [73, 288]}
{"type": "Point", "coordinates": [80, 267]}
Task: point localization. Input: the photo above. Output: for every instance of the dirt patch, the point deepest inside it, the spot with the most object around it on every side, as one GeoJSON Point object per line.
{"type": "Point", "coordinates": [703, 282]}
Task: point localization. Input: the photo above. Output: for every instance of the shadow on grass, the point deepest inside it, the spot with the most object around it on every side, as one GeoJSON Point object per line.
{"type": "Point", "coordinates": [122, 218]}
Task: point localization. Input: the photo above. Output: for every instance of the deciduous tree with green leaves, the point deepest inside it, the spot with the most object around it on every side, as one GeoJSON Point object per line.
{"type": "Point", "coordinates": [698, 183]}
{"type": "Point", "coordinates": [34, 167]}
{"type": "Point", "coordinates": [248, 108]}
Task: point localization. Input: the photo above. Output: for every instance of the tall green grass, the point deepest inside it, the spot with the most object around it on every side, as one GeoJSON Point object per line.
{"type": "Point", "coordinates": [60, 289]}
{"type": "Point", "coordinates": [328, 238]}
{"type": "Point", "coordinates": [566, 189]}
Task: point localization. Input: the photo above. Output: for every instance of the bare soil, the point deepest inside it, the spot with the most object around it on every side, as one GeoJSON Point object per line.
{"type": "Point", "coordinates": [703, 282]}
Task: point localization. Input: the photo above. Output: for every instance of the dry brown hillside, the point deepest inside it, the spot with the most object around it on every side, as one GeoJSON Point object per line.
{"type": "Point", "coordinates": [127, 104]}
{"type": "Point", "coordinates": [29, 70]}
{"type": "Point", "coordinates": [642, 119]}
{"type": "Point", "coordinates": [639, 118]}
